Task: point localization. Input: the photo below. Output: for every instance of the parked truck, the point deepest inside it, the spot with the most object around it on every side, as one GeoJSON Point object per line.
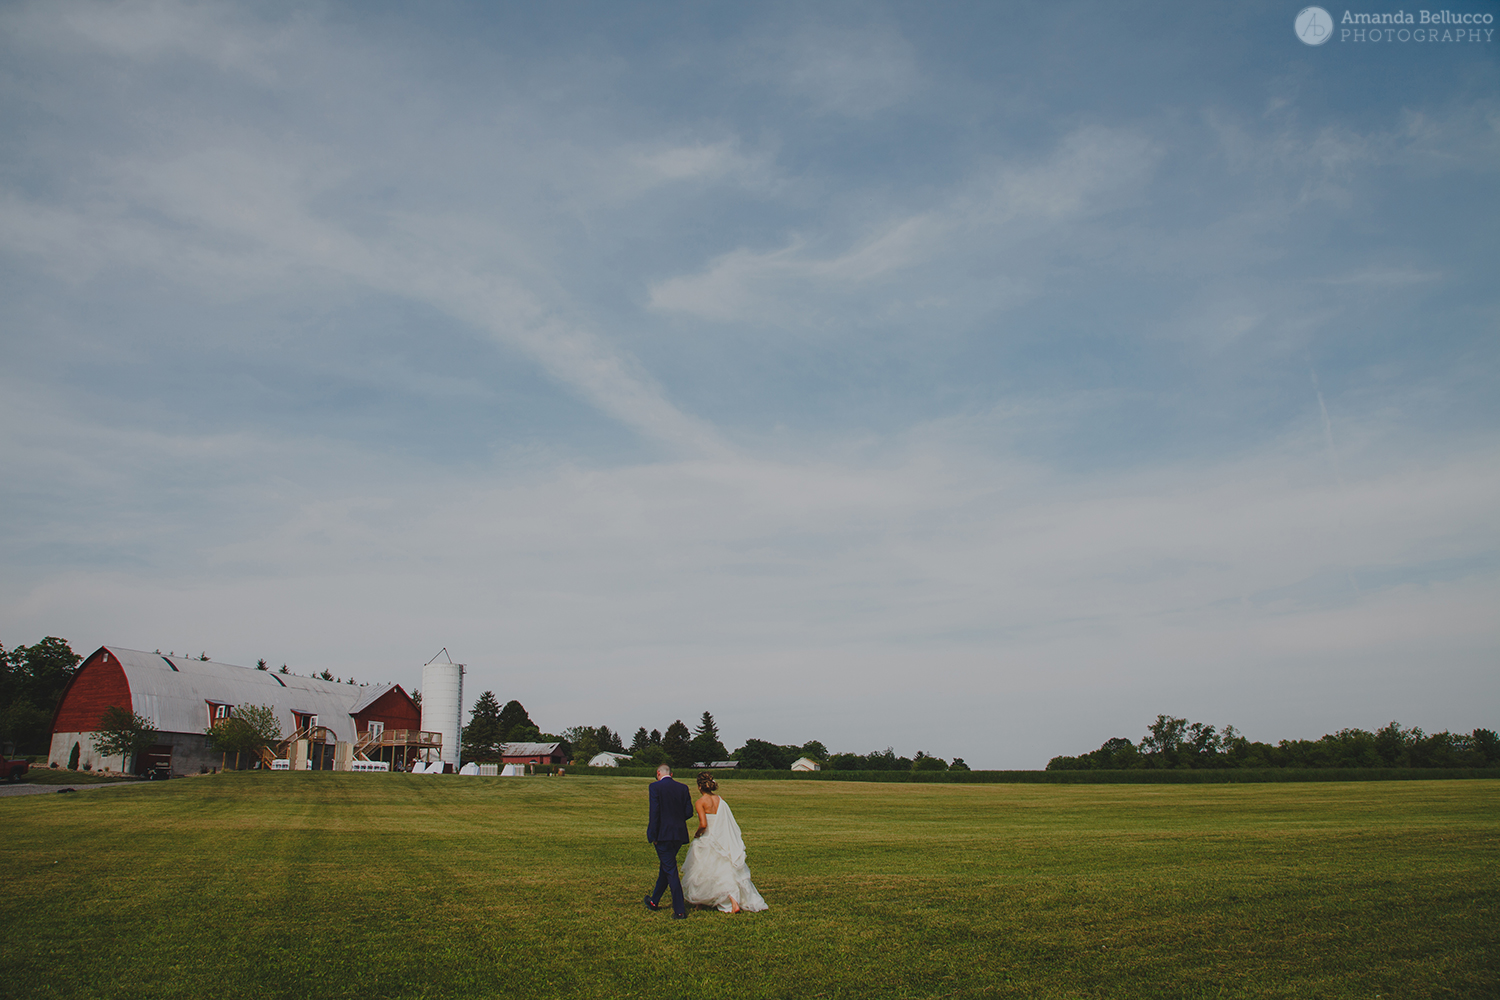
{"type": "Point", "coordinates": [11, 770]}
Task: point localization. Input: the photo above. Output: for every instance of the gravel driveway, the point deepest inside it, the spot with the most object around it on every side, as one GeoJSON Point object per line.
{"type": "Point", "coordinates": [24, 787]}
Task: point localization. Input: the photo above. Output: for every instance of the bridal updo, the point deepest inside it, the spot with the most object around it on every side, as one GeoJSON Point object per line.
{"type": "Point", "coordinates": [706, 783]}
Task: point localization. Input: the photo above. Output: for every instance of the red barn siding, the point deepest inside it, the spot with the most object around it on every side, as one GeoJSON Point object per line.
{"type": "Point", "coordinates": [394, 708]}
{"type": "Point", "coordinates": [99, 684]}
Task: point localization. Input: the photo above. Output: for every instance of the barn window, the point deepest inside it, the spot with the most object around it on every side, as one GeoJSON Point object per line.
{"type": "Point", "coordinates": [219, 712]}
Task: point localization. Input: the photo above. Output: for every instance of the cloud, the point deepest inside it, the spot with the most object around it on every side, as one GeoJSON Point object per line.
{"type": "Point", "coordinates": [723, 160]}
{"type": "Point", "coordinates": [932, 566]}
{"type": "Point", "coordinates": [240, 210]}
{"type": "Point", "coordinates": [1015, 204]}
{"type": "Point", "coordinates": [854, 72]}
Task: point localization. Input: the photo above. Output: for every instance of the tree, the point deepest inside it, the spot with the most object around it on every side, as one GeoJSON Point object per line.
{"type": "Point", "coordinates": [327, 674]}
{"type": "Point", "coordinates": [584, 741]}
{"type": "Point", "coordinates": [655, 737]}
{"type": "Point", "coordinates": [705, 745]}
{"type": "Point", "coordinates": [1394, 745]}
{"type": "Point", "coordinates": [640, 741]}
{"type": "Point", "coordinates": [922, 762]}
{"type": "Point", "coordinates": [284, 669]}
{"type": "Point", "coordinates": [1484, 744]}
{"type": "Point", "coordinates": [260, 664]}
{"type": "Point", "coordinates": [846, 762]}
{"type": "Point", "coordinates": [678, 743]}
{"type": "Point", "coordinates": [649, 755]}
{"type": "Point", "coordinates": [758, 755]}
{"type": "Point", "coordinates": [250, 728]}
{"type": "Point", "coordinates": [123, 733]}
{"type": "Point", "coordinates": [482, 737]}
{"type": "Point", "coordinates": [813, 750]}
{"type": "Point", "coordinates": [511, 716]}
{"type": "Point", "coordinates": [958, 765]}
{"type": "Point", "coordinates": [32, 680]}
{"type": "Point", "coordinates": [1164, 740]}
{"type": "Point", "coordinates": [73, 757]}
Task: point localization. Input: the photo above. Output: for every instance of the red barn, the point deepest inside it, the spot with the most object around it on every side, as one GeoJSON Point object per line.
{"type": "Point", "coordinates": [181, 697]}
{"type": "Point", "coordinates": [532, 753]}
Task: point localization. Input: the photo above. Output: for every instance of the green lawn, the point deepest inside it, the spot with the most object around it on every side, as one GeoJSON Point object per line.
{"type": "Point", "coordinates": [367, 885]}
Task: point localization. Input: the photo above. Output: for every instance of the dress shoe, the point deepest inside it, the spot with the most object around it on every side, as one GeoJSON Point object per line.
{"type": "Point", "coordinates": [652, 906]}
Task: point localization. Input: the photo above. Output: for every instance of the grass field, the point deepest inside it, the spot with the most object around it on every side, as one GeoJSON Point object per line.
{"type": "Point", "coordinates": [336, 885]}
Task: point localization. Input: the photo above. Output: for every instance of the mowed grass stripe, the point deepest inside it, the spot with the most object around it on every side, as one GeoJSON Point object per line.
{"type": "Point", "coordinates": [273, 885]}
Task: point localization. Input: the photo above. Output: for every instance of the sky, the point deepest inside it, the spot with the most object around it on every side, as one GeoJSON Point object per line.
{"type": "Point", "coordinates": [980, 379]}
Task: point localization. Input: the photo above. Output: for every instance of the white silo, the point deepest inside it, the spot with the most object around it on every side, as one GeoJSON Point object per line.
{"type": "Point", "coordinates": [443, 705]}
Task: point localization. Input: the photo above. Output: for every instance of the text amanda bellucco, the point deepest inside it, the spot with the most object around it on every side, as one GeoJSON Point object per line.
{"type": "Point", "coordinates": [1432, 26]}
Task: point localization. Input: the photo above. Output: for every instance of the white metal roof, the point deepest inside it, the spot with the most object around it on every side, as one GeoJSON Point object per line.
{"type": "Point", "coordinates": [371, 695]}
{"type": "Point", "coordinates": [527, 749]}
{"type": "Point", "coordinates": [607, 758]}
{"type": "Point", "coordinates": [174, 692]}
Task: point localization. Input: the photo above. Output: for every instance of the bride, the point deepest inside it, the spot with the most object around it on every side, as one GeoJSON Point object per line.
{"type": "Point", "coordinates": [714, 873]}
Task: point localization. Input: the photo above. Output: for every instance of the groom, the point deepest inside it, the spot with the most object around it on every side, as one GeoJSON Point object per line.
{"type": "Point", "coordinates": [666, 828]}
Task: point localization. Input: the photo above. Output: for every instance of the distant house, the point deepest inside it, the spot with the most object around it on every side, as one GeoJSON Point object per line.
{"type": "Point", "coordinates": [180, 697]}
{"type": "Point", "coordinates": [608, 759]}
{"type": "Point", "coordinates": [531, 753]}
{"type": "Point", "coordinates": [718, 765]}
{"type": "Point", "coordinates": [806, 764]}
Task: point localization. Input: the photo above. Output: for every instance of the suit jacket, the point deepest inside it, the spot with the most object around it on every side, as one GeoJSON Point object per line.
{"type": "Point", "coordinates": [671, 805]}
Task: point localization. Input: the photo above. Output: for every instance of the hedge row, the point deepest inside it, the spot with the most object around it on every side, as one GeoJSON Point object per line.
{"type": "Point", "coordinates": [1131, 777]}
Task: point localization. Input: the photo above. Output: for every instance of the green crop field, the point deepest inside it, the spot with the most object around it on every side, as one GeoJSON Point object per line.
{"type": "Point", "coordinates": [355, 885]}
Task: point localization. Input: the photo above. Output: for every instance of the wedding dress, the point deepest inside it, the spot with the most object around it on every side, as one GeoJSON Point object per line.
{"type": "Point", "coordinates": [715, 871]}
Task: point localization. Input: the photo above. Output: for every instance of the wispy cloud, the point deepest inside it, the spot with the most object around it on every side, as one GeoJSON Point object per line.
{"type": "Point", "coordinates": [840, 70]}
{"type": "Point", "coordinates": [1012, 205]}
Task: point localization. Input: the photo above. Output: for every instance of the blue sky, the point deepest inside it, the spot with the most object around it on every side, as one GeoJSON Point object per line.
{"type": "Point", "coordinates": [975, 378]}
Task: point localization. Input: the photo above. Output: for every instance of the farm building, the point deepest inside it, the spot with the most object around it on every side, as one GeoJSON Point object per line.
{"type": "Point", "coordinates": [806, 764]}
{"type": "Point", "coordinates": [325, 725]}
{"type": "Point", "coordinates": [608, 759]}
{"type": "Point", "coordinates": [531, 753]}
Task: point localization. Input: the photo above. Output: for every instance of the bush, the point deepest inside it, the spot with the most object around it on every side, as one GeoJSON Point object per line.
{"type": "Point", "coordinates": [648, 756]}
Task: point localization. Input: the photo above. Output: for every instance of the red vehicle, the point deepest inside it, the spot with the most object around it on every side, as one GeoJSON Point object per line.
{"type": "Point", "coordinates": [11, 770]}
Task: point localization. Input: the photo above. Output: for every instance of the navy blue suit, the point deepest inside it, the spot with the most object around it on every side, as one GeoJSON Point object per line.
{"type": "Point", "coordinates": [666, 828]}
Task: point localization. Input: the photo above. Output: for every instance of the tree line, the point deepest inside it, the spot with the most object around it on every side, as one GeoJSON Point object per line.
{"type": "Point", "coordinates": [32, 681]}
{"type": "Point", "coordinates": [1177, 743]}
{"type": "Point", "coordinates": [491, 726]}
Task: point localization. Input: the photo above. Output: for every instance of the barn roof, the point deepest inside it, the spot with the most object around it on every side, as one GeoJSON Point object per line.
{"type": "Point", "coordinates": [607, 758]}
{"type": "Point", "coordinates": [173, 692]}
{"type": "Point", "coordinates": [528, 749]}
{"type": "Point", "coordinates": [372, 694]}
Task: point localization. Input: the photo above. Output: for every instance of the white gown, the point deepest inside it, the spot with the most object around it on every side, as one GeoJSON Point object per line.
{"type": "Point", "coordinates": [715, 870]}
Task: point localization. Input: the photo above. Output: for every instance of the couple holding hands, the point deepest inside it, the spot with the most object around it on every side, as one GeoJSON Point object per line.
{"type": "Point", "coordinates": [714, 873]}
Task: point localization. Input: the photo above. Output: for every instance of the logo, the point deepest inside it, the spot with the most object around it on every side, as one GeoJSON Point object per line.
{"type": "Point", "coordinates": [1314, 25]}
